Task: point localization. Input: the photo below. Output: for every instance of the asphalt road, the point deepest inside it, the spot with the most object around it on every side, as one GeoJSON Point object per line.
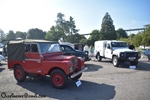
{"type": "Point", "coordinates": [101, 81]}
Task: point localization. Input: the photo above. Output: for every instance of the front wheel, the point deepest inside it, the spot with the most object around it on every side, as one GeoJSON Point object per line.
{"type": "Point", "coordinates": [19, 74]}
{"type": "Point", "coordinates": [115, 61]}
{"type": "Point", "coordinates": [58, 78]}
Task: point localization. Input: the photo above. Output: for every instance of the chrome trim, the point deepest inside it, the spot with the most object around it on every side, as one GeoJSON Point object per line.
{"type": "Point", "coordinates": [79, 72]}
{"type": "Point", "coordinates": [37, 60]}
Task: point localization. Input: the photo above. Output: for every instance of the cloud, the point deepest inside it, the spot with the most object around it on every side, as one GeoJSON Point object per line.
{"type": "Point", "coordinates": [134, 22]}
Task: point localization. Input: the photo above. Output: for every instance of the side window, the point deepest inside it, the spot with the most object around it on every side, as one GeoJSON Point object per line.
{"type": "Point", "coordinates": [67, 49]}
{"type": "Point", "coordinates": [55, 48]}
{"type": "Point", "coordinates": [34, 48]}
{"type": "Point", "coordinates": [27, 47]}
{"type": "Point", "coordinates": [62, 48]}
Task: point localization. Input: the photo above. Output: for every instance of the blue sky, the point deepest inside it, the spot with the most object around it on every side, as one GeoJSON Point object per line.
{"type": "Point", "coordinates": [22, 15]}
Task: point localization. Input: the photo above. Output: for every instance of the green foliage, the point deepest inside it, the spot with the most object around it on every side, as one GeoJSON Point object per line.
{"type": "Point", "coordinates": [107, 28]}
{"type": "Point", "coordinates": [83, 41]}
{"type": "Point", "coordinates": [74, 38]}
{"type": "Point", "coordinates": [11, 35]}
{"type": "Point", "coordinates": [146, 37]}
{"type": "Point", "coordinates": [2, 35]}
{"type": "Point", "coordinates": [121, 33]}
{"type": "Point", "coordinates": [60, 20]}
{"type": "Point", "coordinates": [94, 36]}
{"type": "Point", "coordinates": [127, 40]}
{"type": "Point", "coordinates": [35, 34]}
{"type": "Point", "coordinates": [137, 39]}
{"type": "Point", "coordinates": [55, 33]}
{"type": "Point", "coordinates": [64, 29]}
{"type": "Point", "coordinates": [21, 34]}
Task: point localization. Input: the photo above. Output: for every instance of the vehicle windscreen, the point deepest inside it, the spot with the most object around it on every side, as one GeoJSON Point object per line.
{"type": "Point", "coordinates": [119, 44]}
{"type": "Point", "coordinates": [49, 47]}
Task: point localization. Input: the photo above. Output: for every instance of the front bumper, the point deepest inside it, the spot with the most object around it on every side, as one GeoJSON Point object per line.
{"type": "Point", "coordinates": [128, 59]}
{"type": "Point", "coordinates": [79, 72]}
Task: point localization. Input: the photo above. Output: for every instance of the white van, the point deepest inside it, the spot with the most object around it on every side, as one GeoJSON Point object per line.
{"type": "Point", "coordinates": [117, 51]}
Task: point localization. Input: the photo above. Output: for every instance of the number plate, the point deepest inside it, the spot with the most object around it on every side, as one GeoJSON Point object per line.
{"type": "Point", "coordinates": [132, 58]}
{"type": "Point", "coordinates": [78, 83]}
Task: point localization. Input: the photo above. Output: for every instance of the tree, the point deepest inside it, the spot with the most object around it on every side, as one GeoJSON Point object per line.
{"type": "Point", "coordinates": [21, 34]}
{"type": "Point", "coordinates": [36, 34]}
{"type": "Point", "coordinates": [60, 20]}
{"type": "Point", "coordinates": [137, 39]}
{"type": "Point", "coordinates": [127, 40]}
{"type": "Point", "coordinates": [121, 33]}
{"type": "Point", "coordinates": [107, 28]}
{"type": "Point", "coordinates": [72, 26]}
{"type": "Point", "coordinates": [131, 37]}
{"type": "Point", "coordinates": [2, 35]}
{"type": "Point", "coordinates": [55, 33]}
{"type": "Point", "coordinates": [11, 35]}
{"type": "Point", "coordinates": [94, 36]}
{"type": "Point", "coordinates": [146, 37]}
{"type": "Point", "coordinates": [83, 41]}
{"type": "Point", "coordinates": [74, 38]}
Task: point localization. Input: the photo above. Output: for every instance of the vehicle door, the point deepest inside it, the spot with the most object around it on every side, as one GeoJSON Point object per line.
{"type": "Point", "coordinates": [33, 59]}
{"type": "Point", "coordinates": [108, 51]}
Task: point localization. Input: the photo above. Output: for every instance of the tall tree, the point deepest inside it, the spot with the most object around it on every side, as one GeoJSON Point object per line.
{"type": "Point", "coordinates": [36, 34]}
{"type": "Point", "coordinates": [72, 26]}
{"type": "Point", "coordinates": [60, 20]}
{"type": "Point", "coordinates": [11, 35]}
{"type": "Point", "coordinates": [107, 28]}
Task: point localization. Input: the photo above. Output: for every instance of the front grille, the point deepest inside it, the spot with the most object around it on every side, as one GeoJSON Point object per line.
{"type": "Point", "coordinates": [74, 61]}
{"type": "Point", "coordinates": [131, 54]}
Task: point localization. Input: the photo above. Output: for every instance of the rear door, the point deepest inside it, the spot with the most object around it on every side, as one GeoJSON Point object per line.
{"type": "Point", "coordinates": [108, 51]}
{"type": "Point", "coordinates": [33, 59]}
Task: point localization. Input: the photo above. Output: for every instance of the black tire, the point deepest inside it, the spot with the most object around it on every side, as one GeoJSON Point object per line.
{"type": "Point", "coordinates": [19, 74]}
{"type": "Point", "coordinates": [115, 61]}
{"type": "Point", "coordinates": [77, 77]}
{"type": "Point", "coordinates": [134, 63]}
{"type": "Point", "coordinates": [99, 58]}
{"type": "Point", "coordinates": [58, 79]}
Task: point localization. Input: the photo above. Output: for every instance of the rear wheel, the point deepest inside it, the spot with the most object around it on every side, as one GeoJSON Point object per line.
{"type": "Point", "coordinates": [99, 58]}
{"type": "Point", "coordinates": [19, 74]}
{"type": "Point", "coordinates": [58, 78]}
{"type": "Point", "coordinates": [115, 61]}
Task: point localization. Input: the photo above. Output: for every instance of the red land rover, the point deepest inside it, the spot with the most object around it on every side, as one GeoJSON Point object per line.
{"type": "Point", "coordinates": [41, 57]}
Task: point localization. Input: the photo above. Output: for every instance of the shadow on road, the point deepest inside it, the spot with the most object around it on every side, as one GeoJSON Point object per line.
{"type": "Point", "coordinates": [87, 91]}
{"type": "Point", "coordinates": [92, 67]}
{"type": "Point", "coordinates": [1, 69]}
{"type": "Point", "coordinates": [142, 65]}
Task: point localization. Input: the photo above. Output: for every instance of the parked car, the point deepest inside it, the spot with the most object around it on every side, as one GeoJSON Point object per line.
{"type": "Point", "coordinates": [41, 58]}
{"type": "Point", "coordinates": [146, 53]}
{"type": "Point", "coordinates": [68, 50]}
